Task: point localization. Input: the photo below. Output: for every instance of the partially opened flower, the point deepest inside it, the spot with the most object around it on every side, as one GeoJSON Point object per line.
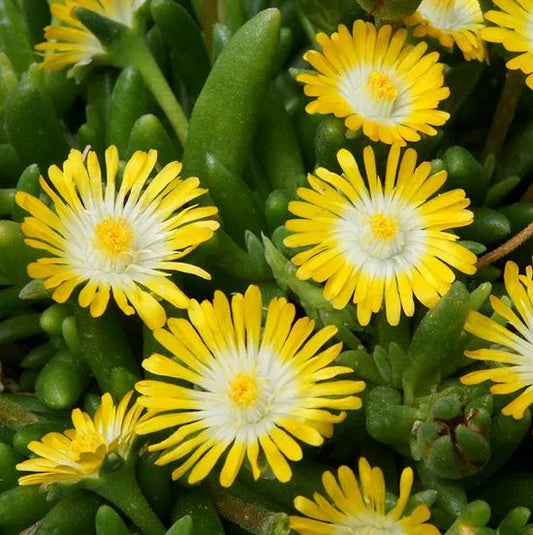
{"type": "Point", "coordinates": [70, 43]}
{"type": "Point", "coordinates": [512, 347]}
{"type": "Point", "coordinates": [77, 454]}
{"type": "Point", "coordinates": [253, 389]}
{"type": "Point", "coordinates": [121, 240]}
{"type": "Point", "coordinates": [354, 506]}
{"type": "Point", "coordinates": [451, 22]}
{"type": "Point", "coordinates": [514, 31]}
{"type": "Point", "coordinates": [372, 242]}
{"type": "Point", "coordinates": [378, 83]}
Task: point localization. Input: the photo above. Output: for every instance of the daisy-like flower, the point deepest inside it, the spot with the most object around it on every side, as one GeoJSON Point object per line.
{"type": "Point", "coordinates": [375, 242]}
{"type": "Point", "coordinates": [121, 242]}
{"type": "Point", "coordinates": [451, 21]}
{"type": "Point", "coordinates": [359, 506]}
{"type": "Point", "coordinates": [77, 454]}
{"type": "Point", "coordinates": [371, 77]}
{"type": "Point", "coordinates": [71, 43]}
{"type": "Point", "coordinates": [515, 31]}
{"type": "Point", "coordinates": [252, 387]}
{"type": "Point", "coordinates": [512, 347]}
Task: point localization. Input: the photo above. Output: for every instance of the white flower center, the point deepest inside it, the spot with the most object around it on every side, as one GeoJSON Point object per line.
{"type": "Point", "coordinates": [369, 523]}
{"type": "Point", "coordinates": [244, 395]}
{"type": "Point", "coordinates": [383, 236]}
{"type": "Point", "coordinates": [375, 94]}
{"type": "Point", "coordinates": [115, 245]}
{"type": "Point", "coordinates": [451, 15]}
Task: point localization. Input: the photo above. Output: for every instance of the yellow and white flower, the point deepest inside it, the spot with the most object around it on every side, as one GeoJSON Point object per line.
{"type": "Point", "coordinates": [67, 458]}
{"type": "Point", "coordinates": [120, 240]}
{"type": "Point", "coordinates": [354, 507]}
{"type": "Point", "coordinates": [512, 347]}
{"type": "Point", "coordinates": [254, 388]}
{"type": "Point", "coordinates": [372, 242]}
{"type": "Point", "coordinates": [378, 83]}
{"type": "Point", "coordinates": [451, 22]}
{"type": "Point", "coordinates": [70, 43]}
{"type": "Point", "coordinates": [515, 31]}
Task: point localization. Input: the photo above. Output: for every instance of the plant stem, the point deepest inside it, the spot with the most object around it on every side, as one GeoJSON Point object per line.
{"type": "Point", "coordinates": [251, 517]}
{"type": "Point", "coordinates": [142, 58]}
{"type": "Point", "coordinates": [506, 248]}
{"type": "Point", "coordinates": [505, 110]}
{"type": "Point", "coordinates": [121, 489]}
{"type": "Point", "coordinates": [127, 46]}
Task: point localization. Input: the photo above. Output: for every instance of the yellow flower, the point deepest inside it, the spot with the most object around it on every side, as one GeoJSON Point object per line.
{"type": "Point", "coordinates": [514, 31]}
{"type": "Point", "coordinates": [377, 82]}
{"type": "Point", "coordinates": [124, 241]}
{"type": "Point", "coordinates": [359, 507]}
{"type": "Point", "coordinates": [451, 21]}
{"type": "Point", "coordinates": [375, 242]}
{"type": "Point", "coordinates": [252, 387]}
{"type": "Point", "coordinates": [71, 43]}
{"type": "Point", "coordinates": [513, 348]}
{"type": "Point", "coordinates": [78, 453]}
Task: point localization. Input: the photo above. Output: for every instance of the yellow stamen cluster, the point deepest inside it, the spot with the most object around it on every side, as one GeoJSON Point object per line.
{"type": "Point", "coordinates": [85, 446]}
{"type": "Point", "coordinates": [243, 389]}
{"type": "Point", "coordinates": [381, 86]}
{"type": "Point", "coordinates": [383, 226]}
{"type": "Point", "coordinates": [114, 236]}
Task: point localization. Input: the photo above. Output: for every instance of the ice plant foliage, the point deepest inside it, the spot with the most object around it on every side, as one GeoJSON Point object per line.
{"type": "Point", "coordinates": [515, 31]}
{"type": "Point", "coordinates": [116, 239]}
{"type": "Point", "coordinates": [66, 458]}
{"type": "Point", "coordinates": [357, 507]}
{"type": "Point", "coordinates": [70, 43]}
{"type": "Point", "coordinates": [254, 387]}
{"type": "Point", "coordinates": [451, 21]}
{"type": "Point", "coordinates": [512, 347]}
{"type": "Point", "coordinates": [372, 241]}
{"type": "Point", "coordinates": [378, 83]}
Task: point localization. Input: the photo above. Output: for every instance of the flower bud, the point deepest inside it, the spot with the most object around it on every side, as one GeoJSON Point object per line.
{"type": "Point", "coordinates": [454, 440]}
